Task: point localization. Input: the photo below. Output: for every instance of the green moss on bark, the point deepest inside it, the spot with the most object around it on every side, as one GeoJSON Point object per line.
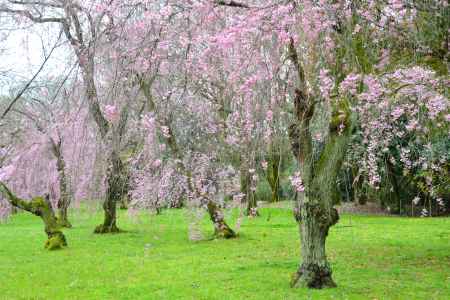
{"type": "Point", "coordinates": [56, 241]}
{"type": "Point", "coordinates": [39, 206]}
{"type": "Point", "coordinates": [221, 228]}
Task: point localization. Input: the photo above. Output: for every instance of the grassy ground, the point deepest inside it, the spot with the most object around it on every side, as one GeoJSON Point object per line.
{"type": "Point", "coordinates": [372, 258]}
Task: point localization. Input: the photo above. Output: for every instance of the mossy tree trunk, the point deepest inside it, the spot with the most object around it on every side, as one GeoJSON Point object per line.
{"type": "Point", "coordinates": [315, 207]}
{"type": "Point", "coordinates": [109, 206]}
{"type": "Point", "coordinates": [319, 162]}
{"type": "Point", "coordinates": [111, 135]}
{"type": "Point", "coordinates": [125, 185]}
{"type": "Point", "coordinates": [116, 178]}
{"type": "Point", "coordinates": [39, 206]}
{"type": "Point", "coordinates": [114, 194]}
{"type": "Point", "coordinates": [314, 270]}
{"type": "Point", "coordinates": [221, 228]}
{"type": "Point", "coordinates": [64, 196]}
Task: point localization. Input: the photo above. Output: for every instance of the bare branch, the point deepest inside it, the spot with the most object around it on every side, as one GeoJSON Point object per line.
{"type": "Point", "coordinates": [231, 3]}
{"type": "Point", "coordinates": [41, 3]}
{"type": "Point", "coordinates": [25, 88]}
{"type": "Point", "coordinates": [31, 17]}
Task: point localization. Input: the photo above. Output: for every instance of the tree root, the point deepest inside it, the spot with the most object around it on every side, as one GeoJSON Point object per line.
{"type": "Point", "coordinates": [313, 276]}
{"type": "Point", "coordinates": [102, 229]}
{"type": "Point", "coordinates": [56, 241]}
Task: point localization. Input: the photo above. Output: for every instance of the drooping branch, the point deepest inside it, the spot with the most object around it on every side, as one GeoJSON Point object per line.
{"type": "Point", "coordinates": [77, 40]}
{"type": "Point", "coordinates": [216, 215]}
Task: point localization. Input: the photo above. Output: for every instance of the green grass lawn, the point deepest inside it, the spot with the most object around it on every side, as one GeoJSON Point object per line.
{"type": "Point", "coordinates": [372, 258]}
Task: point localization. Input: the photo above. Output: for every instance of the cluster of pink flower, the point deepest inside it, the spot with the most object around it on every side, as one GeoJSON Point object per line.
{"type": "Point", "coordinates": [398, 112]}
{"type": "Point", "coordinates": [297, 183]}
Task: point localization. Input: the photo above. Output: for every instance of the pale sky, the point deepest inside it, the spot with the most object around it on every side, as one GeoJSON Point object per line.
{"type": "Point", "coordinates": [24, 54]}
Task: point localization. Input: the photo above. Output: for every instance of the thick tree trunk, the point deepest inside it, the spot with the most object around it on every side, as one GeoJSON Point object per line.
{"type": "Point", "coordinates": [56, 239]}
{"type": "Point", "coordinates": [64, 198]}
{"type": "Point", "coordinates": [314, 271]}
{"type": "Point", "coordinates": [319, 162]}
{"type": "Point", "coordinates": [39, 206]}
{"type": "Point", "coordinates": [109, 223]}
{"type": "Point", "coordinates": [221, 228]}
{"type": "Point", "coordinates": [114, 193]}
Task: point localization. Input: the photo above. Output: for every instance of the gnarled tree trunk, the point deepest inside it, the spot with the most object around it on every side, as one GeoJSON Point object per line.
{"type": "Point", "coordinates": [221, 228]}
{"type": "Point", "coordinates": [319, 162]}
{"type": "Point", "coordinates": [39, 206]}
{"type": "Point", "coordinates": [113, 176]}
{"type": "Point", "coordinates": [114, 193]}
{"type": "Point", "coordinates": [64, 197]}
{"type": "Point", "coordinates": [314, 270]}
{"type": "Point", "coordinates": [315, 209]}
{"type": "Point", "coordinates": [116, 175]}
{"type": "Point", "coordinates": [250, 195]}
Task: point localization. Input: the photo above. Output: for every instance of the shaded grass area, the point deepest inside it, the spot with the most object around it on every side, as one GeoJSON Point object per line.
{"type": "Point", "coordinates": [372, 258]}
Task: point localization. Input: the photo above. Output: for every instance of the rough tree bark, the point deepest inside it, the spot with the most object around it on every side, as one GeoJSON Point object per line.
{"type": "Point", "coordinates": [116, 178]}
{"type": "Point", "coordinates": [316, 215]}
{"type": "Point", "coordinates": [39, 206]}
{"type": "Point", "coordinates": [320, 162]}
{"type": "Point", "coordinates": [113, 173]}
{"type": "Point", "coordinates": [314, 271]}
{"type": "Point", "coordinates": [221, 228]}
{"type": "Point", "coordinates": [113, 195]}
{"type": "Point", "coordinates": [64, 198]}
